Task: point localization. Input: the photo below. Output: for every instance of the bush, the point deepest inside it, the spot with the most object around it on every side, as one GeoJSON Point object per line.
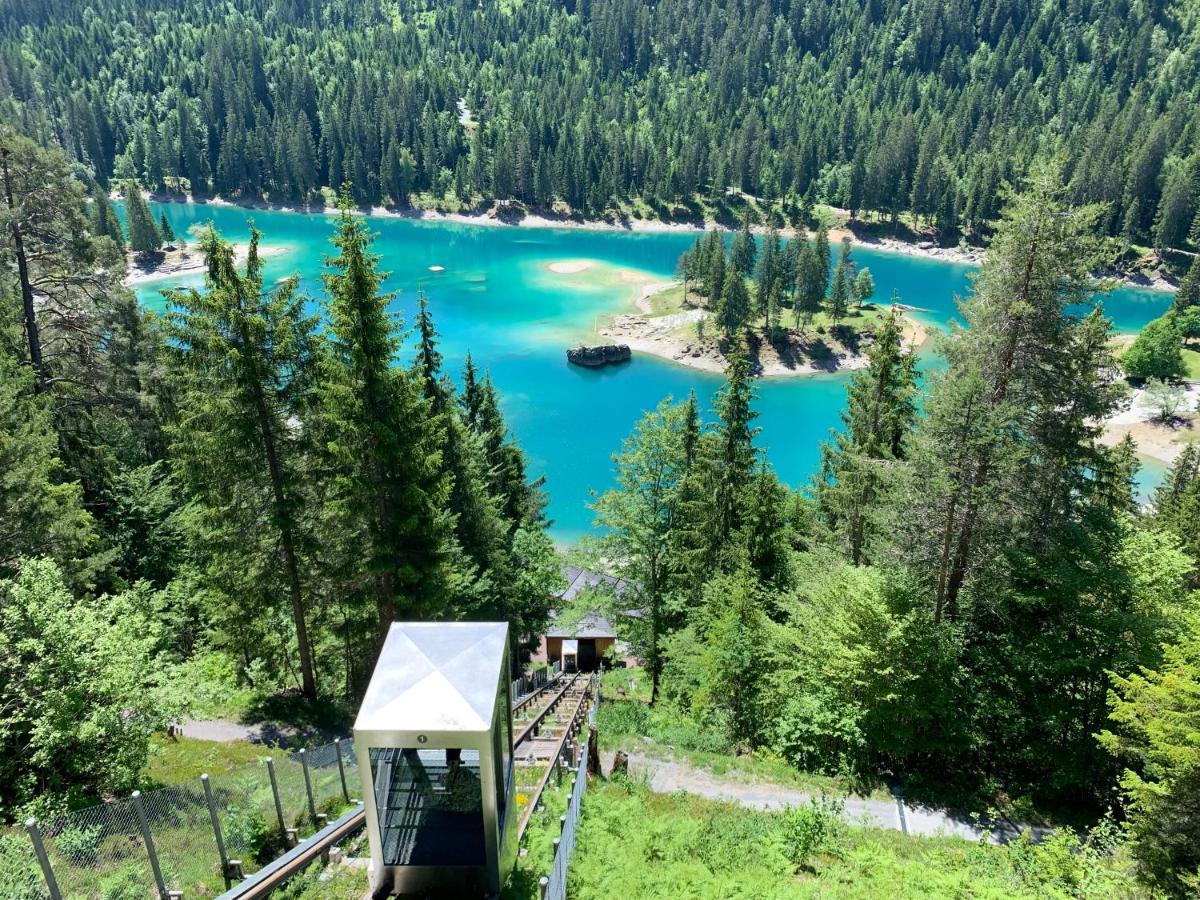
{"type": "Point", "coordinates": [806, 831]}
{"type": "Point", "coordinates": [1157, 351]}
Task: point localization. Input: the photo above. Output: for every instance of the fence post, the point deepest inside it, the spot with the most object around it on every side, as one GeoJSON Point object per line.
{"type": "Point", "coordinates": [337, 745]}
{"type": "Point", "coordinates": [312, 807]}
{"type": "Point", "coordinates": [35, 835]}
{"type": "Point", "coordinates": [283, 829]}
{"type": "Point", "coordinates": [543, 885]}
{"type": "Point", "coordinates": [216, 824]}
{"type": "Point", "coordinates": [159, 881]}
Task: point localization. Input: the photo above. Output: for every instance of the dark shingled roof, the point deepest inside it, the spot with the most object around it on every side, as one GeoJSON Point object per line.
{"type": "Point", "coordinates": [593, 624]}
{"type": "Point", "coordinates": [578, 579]}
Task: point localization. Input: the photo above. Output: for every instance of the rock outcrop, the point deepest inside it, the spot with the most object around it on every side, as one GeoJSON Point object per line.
{"type": "Point", "coordinates": [599, 356]}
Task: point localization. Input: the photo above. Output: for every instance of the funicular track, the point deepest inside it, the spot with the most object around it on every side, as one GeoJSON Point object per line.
{"type": "Point", "coordinates": [552, 716]}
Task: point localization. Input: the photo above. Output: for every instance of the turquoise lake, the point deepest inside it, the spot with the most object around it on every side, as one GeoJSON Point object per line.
{"type": "Point", "coordinates": [497, 298]}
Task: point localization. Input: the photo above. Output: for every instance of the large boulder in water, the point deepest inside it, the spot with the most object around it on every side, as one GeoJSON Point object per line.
{"type": "Point", "coordinates": [599, 356]}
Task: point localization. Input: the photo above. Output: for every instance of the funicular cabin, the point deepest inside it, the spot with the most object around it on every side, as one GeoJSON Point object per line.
{"type": "Point", "coordinates": [435, 728]}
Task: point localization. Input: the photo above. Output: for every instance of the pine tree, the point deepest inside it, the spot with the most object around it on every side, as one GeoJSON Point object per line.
{"type": "Point", "coordinates": [879, 416]}
{"type": "Point", "coordinates": [244, 363]}
{"type": "Point", "coordinates": [144, 236]}
{"type": "Point", "coordinates": [168, 235]}
{"type": "Point", "coordinates": [389, 487]}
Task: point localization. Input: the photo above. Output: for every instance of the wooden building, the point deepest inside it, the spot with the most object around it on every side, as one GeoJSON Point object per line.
{"type": "Point", "coordinates": [582, 646]}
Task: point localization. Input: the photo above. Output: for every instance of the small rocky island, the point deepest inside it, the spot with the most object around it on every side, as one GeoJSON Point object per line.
{"type": "Point", "coordinates": [594, 357]}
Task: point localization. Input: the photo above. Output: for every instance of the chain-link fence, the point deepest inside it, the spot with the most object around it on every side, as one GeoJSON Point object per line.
{"type": "Point", "coordinates": [195, 838]}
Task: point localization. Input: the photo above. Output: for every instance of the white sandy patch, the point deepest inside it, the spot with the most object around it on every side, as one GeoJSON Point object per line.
{"type": "Point", "coordinates": [437, 268]}
{"type": "Point", "coordinates": [570, 266]}
{"type": "Point", "coordinates": [189, 261]}
{"type": "Point", "coordinates": [1154, 438]}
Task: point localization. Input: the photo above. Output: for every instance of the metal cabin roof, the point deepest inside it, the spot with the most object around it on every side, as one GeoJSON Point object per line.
{"type": "Point", "coordinates": [592, 625]}
{"type": "Point", "coordinates": [435, 677]}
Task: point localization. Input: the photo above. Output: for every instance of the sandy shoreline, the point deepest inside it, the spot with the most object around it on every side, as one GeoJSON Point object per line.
{"type": "Point", "coordinates": [1154, 438]}
{"type": "Point", "coordinates": [517, 218]}
{"type": "Point", "coordinates": [169, 264]}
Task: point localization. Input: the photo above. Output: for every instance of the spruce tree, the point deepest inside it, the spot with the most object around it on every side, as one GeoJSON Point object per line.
{"type": "Point", "coordinates": [106, 223]}
{"type": "Point", "coordinates": [389, 488]}
{"type": "Point", "coordinates": [1188, 294]}
{"type": "Point", "coordinates": [810, 284]}
{"type": "Point", "coordinates": [879, 416]}
{"type": "Point", "coordinates": [735, 304]}
{"type": "Point", "coordinates": [1025, 380]}
{"type": "Point", "coordinates": [243, 369]}
{"type": "Point", "coordinates": [168, 235]}
{"type": "Point", "coordinates": [144, 236]}
{"type": "Point", "coordinates": [743, 252]}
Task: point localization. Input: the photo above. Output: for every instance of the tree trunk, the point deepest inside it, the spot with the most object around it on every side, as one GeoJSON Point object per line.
{"type": "Point", "coordinates": [31, 326]}
{"type": "Point", "coordinates": [287, 539]}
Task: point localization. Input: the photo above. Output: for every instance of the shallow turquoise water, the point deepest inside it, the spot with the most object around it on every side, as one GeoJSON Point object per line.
{"type": "Point", "coordinates": [497, 299]}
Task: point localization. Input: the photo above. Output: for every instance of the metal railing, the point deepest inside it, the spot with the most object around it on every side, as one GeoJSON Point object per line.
{"type": "Point", "coordinates": [554, 885]}
{"type": "Point", "coordinates": [533, 681]}
{"type": "Point", "coordinates": [194, 839]}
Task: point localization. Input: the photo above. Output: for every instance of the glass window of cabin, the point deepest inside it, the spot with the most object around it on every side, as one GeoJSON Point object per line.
{"type": "Point", "coordinates": [502, 747]}
{"type": "Point", "coordinates": [430, 806]}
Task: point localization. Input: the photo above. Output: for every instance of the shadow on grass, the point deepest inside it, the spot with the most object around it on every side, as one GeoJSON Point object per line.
{"type": "Point", "coordinates": [288, 719]}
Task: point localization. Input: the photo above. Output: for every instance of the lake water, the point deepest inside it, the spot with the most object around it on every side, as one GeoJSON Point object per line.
{"type": "Point", "coordinates": [497, 298]}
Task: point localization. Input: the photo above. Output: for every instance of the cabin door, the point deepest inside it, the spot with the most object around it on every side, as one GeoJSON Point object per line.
{"type": "Point", "coordinates": [587, 656]}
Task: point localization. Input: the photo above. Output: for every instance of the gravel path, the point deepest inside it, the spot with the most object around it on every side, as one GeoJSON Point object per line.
{"type": "Point", "coordinates": [273, 733]}
{"type": "Point", "coordinates": [667, 776]}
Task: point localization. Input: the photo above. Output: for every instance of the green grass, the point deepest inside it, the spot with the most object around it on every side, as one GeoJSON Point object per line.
{"type": "Point", "coordinates": [635, 844]}
{"type": "Point", "coordinates": [179, 760]}
{"type": "Point", "coordinates": [1191, 362]}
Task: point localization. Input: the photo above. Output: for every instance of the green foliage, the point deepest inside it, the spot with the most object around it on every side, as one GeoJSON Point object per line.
{"type": "Point", "coordinates": [1156, 352]}
{"type": "Point", "coordinates": [144, 234]}
{"type": "Point", "coordinates": [806, 831]}
{"type": "Point", "coordinates": [244, 362]}
{"type": "Point", "coordinates": [636, 844]}
{"type": "Point", "coordinates": [1155, 720]}
{"type": "Point", "coordinates": [672, 106]}
{"type": "Point", "coordinates": [79, 690]}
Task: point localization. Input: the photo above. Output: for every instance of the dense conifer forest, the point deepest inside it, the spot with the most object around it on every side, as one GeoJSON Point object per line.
{"type": "Point", "coordinates": [923, 107]}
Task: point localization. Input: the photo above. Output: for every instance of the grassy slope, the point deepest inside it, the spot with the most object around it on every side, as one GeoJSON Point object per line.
{"type": "Point", "coordinates": [635, 844]}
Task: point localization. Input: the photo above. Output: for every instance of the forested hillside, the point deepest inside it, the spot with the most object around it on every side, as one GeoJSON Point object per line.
{"type": "Point", "coordinates": [237, 495]}
{"type": "Point", "coordinates": [924, 106]}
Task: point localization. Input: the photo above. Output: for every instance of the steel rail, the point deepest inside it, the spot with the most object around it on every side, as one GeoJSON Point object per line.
{"type": "Point", "coordinates": [531, 728]}
{"type": "Point", "coordinates": [568, 732]}
{"type": "Point", "coordinates": [276, 872]}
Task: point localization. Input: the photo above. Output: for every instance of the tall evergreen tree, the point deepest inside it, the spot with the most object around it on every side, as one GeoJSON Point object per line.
{"type": "Point", "coordinates": [856, 466]}
{"type": "Point", "coordinates": [744, 250]}
{"type": "Point", "coordinates": [389, 488]}
{"type": "Point", "coordinates": [144, 235]}
{"type": "Point", "coordinates": [244, 364]}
